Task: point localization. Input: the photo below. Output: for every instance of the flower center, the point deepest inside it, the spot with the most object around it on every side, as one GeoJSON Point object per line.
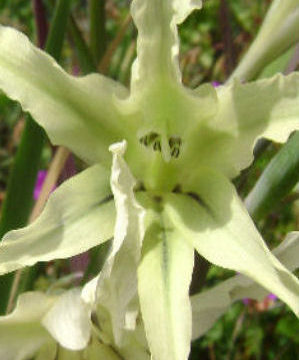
{"type": "Point", "coordinates": [154, 140]}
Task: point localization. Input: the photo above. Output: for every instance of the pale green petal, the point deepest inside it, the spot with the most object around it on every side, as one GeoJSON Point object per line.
{"type": "Point", "coordinates": [78, 216]}
{"type": "Point", "coordinates": [164, 276]}
{"type": "Point", "coordinates": [133, 348]}
{"type": "Point", "coordinates": [117, 285]}
{"type": "Point", "coordinates": [21, 333]}
{"type": "Point", "coordinates": [209, 305]}
{"type": "Point", "coordinates": [158, 101]}
{"type": "Point", "coordinates": [133, 342]}
{"type": "Point", "coordinates": [215, 221]}
{"type": "Point", "coordinates": [287, 252]}
{"type": "Point", "coordinates": [157, 43]}
{"type": "Point", "coordinates": [65, 354]}
{"type": "Point", "coordinates": [82, 114]}
{"type": "Point", "coordinates": [266, 108]}
{"type": "Point", "coordinates": [68, 321]}
{"type": "Point", "coordinates": [47, 352]}
{"type": "Point", "coordinates": [99, 351]}
{"type": "Point", "coordinates": [279, 31]}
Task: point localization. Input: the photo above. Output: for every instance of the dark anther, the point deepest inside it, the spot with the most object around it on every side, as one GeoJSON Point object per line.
{"type": "Point", "coordinates": [139, 187]}
{"type": "Point", "coordinates": [157, 145]}
{"type": "Point", "coordinates": [177, 189]}
{"type": "Point", "coordinates": [175, 152]}
{"type": "Point", "coordinates": [158, 199]}
{"type": "Point", "coordinates": [148, 139]}
{"type": "Point", "coordinates": [174, 141]}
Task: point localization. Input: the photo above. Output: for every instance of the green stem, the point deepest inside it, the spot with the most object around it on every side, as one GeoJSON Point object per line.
{"type": "Point", "coordinates": [18, 202]}
{"type": "Point", "coordinates": [97, 28]}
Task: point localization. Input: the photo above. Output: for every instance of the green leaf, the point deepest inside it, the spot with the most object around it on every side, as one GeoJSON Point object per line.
{"type": "Point", "coordinates": [272, 40]}
{"type": "Point", "coordinates": [276, 181]}
{"type": "Point", "coordinates": [164, 276]}
{"type": "Point", "coordinates": [74, 111]}
{"type": "Point", "coordinates": [209, 305]}
{"type": "Point", "coordinates": [213, 219]}
{"type": "Point", "coordinates": [77, 216]}
{"type": "Point", "coordinates": [21, 332]}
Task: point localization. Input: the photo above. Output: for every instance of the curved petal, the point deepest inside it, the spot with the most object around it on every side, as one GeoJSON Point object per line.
{"type": "Point", "coordinates": [117, 284]}
{"type": "Point", "coordinates": [267, 108]}
{"type": "Point", "coordinates": [209, 305]}
{"type": "Point", "coordinates": [68, 320]}
{"type": "Point", "coordinates": [74, 111]}
{"type": "Point", "coordinates": [216, 222]}
{"type": "Point", "coordinates": [164, 276]}
{"type": "Point", "coordinates": [21, 332]}
{"type": "Point", "coordinates": [77, 216]}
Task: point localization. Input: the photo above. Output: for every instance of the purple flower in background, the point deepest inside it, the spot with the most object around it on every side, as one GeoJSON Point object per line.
{"type": "Point", "coordinates": [41, 176]}
{"type": "Point", "coordinates": [216, 83]}
{"type": "Point", "coordinates": [260, 306]}
{"type": "Point", "coordinates": [272, 297]}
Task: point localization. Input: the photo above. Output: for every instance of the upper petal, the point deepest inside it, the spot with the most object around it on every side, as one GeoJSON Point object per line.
{"type": "Point", "coordinates": [266, 108]}
{"type": "Point", "coordinates": [82, 114]}
{"type": "Point", "coordinates": [157, 43]}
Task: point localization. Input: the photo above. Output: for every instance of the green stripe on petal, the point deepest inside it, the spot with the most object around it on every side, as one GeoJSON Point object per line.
{"type": "Point", "coordinates": [215, 221]}
{"type": "Point", "coordinates": [77, 216]}
{"type": "Point", "coordinates": [164, 275]}
{"type": "Point", "coordinates": [73, 111]}
{"type": "Point", "coordinates": [209, 305]}
{"type": "Point", "coordinates": [21, 332]}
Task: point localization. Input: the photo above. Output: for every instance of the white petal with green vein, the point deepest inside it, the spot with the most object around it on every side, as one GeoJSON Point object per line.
{"type": "Point", "coordinates": [214, 220]}
{"type": "Point", "coordinates": [77, 216]}
{"type": "Point", "coordinates": [74, 111]}
{"type": "Point", "coordinates": [164, 276]}
{"type": "Point", "coordinates": [209, 305]}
